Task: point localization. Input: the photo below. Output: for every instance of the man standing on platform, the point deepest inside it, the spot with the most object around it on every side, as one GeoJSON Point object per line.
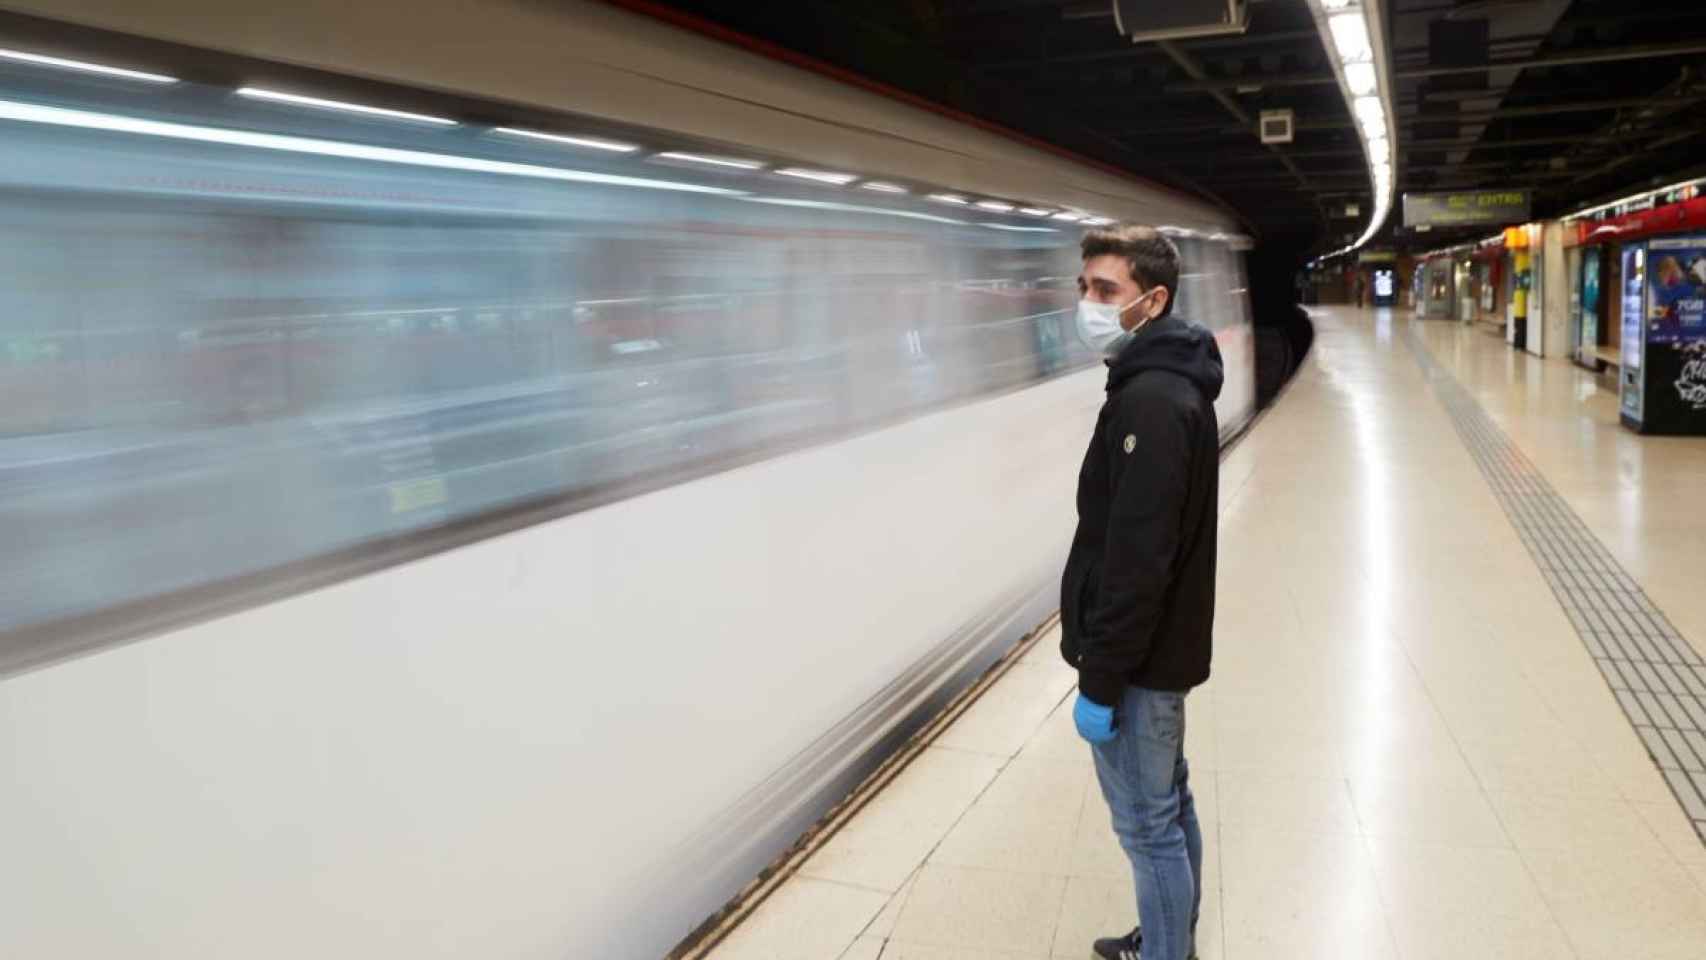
{"type": "Point", "coordinates": [1137, 599]}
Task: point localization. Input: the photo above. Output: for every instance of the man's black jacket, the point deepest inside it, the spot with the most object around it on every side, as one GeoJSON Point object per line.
{"type": "Point", "coordinates": [1137, 599]}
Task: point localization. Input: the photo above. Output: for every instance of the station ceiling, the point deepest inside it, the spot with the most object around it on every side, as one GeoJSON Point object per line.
{"type": "Point", "coordinates": [1576, 100]}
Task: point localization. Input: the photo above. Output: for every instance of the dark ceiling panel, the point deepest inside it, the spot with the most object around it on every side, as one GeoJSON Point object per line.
{"type": "Point", "coordinates": [1571, 98]}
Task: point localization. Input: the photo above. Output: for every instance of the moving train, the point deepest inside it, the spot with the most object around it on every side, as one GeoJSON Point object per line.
{"type": "Point", "coordinates": [486, 478]}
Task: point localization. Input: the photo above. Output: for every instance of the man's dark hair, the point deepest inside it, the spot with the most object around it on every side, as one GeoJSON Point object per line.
{"type": "Point", "coordinates": [1153, 259]}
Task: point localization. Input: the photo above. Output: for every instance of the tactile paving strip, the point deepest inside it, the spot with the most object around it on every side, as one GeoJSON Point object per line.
{"type": "Point", "coordinates": [1659, 679]}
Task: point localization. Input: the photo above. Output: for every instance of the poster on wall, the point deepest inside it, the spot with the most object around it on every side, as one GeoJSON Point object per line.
{"type": "Point", "coordinates": [1677, 295]}
{"type": "Point", "coordinates": [1590, 299]}
{"type": "Point", "coordinates": [1675, 331]}
{"type": "Point", "coordinates": [1632, 381]}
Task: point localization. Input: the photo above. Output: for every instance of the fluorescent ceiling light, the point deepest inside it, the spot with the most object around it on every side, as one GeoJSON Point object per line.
{"type": "Point", "coordinates": [948, 198]}
{"type": "Point", "coordinates": [1360, 77]}
{"type": "Point", "coordinates": [819, 176]}
{"type": "Point", "coordinates": [86, 120]}
{"type": "Point", "coordinates": [1097, 221]}
{"type": "Point", "coordinates": [1380, 149]}
{"type": "Point", "coordinates": [256, 93]}
{"type": "Point", "coordinates": [711, 161]}
{"type": "Point", "coordinates": [882, 187]}
{"type": "Point", "coordinates": [1369, 110]}
{"type": "Point", "coordinates": [1009, 226]}
{"type": "Point", "coordinates": [1034, 211]}
{"type": "Point", "coordinates": [996, 205]}
{"type": "Point", "coordinates": [79, 65]}
{"type": "Point", "coordinates": [1350, 37]}
{"type": "Point", "coordinates": [593, 143]}
{"type": "Point", "coordinates": [1335, 4]}
{"type": "Point", "coordinates": [1068, 216]}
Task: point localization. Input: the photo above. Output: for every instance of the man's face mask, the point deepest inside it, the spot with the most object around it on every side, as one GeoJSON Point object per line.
{"type": "Point", "coordinates": [1099, 324]}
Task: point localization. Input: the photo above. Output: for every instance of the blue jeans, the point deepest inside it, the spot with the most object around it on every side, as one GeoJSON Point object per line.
{"type": "Point", "coordinates": [1146, 782]}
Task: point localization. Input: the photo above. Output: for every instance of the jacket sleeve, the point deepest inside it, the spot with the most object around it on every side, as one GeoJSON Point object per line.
{"type": "Point", "coordinates": [1147, 491]}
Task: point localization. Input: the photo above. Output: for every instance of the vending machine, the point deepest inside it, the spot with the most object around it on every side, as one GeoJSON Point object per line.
{"type": "Point", "coordinates": [1385, 287]}
{"type": "Point", "coordinates": [1663, 376]}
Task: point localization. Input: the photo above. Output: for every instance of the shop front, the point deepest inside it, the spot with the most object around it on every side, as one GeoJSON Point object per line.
{"type": "Point", "coordinates": [1638, 302]}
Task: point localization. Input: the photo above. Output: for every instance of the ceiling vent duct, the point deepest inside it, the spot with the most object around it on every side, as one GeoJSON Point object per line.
{"type": "Point", "coordinates": [1151, 20]}
{"type": "Point", "coordinates": [1276, 126]}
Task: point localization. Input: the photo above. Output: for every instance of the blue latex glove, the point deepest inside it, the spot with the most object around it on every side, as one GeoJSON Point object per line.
{"type": "Point", "coordinates": [1095, 722]}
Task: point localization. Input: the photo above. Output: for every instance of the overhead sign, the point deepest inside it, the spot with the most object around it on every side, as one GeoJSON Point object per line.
{"type": "Point", "coordinates": [1465, 208]}
{"type": "Point", "coordinates": [1376, 256]}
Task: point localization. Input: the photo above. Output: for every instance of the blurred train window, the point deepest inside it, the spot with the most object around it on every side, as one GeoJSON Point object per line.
{"type": "Point", "coordinates": [215, 361]}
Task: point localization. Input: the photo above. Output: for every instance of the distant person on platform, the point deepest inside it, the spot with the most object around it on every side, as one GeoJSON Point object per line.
{"type": "Point", "coordinates": [1137, 599]}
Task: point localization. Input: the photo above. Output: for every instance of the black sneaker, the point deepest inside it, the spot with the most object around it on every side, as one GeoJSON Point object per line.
{"type": "Point", "coordinates": [1127, 947]}
{"type": "Point", "coordinates": [1120, 948]}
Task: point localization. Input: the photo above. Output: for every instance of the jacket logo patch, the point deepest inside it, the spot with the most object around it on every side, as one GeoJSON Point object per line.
{"type": "Point", "coordinates": [1130, 442]}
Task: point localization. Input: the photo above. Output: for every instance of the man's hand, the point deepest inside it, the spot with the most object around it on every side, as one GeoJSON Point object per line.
{"type": "Point", "coordinates": [1095, 722]}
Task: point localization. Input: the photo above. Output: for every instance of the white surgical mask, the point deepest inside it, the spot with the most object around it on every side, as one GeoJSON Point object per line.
{"type": "Point", "coordinates": [1099, 325]}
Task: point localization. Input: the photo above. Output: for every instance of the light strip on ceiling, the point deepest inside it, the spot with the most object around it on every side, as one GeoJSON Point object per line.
{"type": "Point", "coordinates": [1353, 34]}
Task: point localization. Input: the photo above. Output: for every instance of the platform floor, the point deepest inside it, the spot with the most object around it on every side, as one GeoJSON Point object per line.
{"type": "Point", "coordinates": [1411, 747]}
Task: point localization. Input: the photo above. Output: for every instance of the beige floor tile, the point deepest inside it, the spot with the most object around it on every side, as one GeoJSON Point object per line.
{"type": "Point", "coordinates": [1546, 766]}
{"type": "Point", "coordinates": [1426, 811]}
{"type": "Point", "coordinates": [1676, 833]}
{"type": "Point", "coordinates": [1007, 715]}
{"type": "Point", "coordinates": [1456, 881]}
{"type": "Point", "coordinates": [1614, 827]}
{"type": "Point", "coordinates": [1028, 839]}
{"type": "Point", "coordinates": [883, 924]}
{"type": "Point", "coordinates": [1277, 753]}
{"type": "Point", "coordinates": [1637, 777]}
{"type": "Point", "coordinates": [1096, 851]}
{"type": "Point", "coordinates": [1598, 938]}
{"type": "Point", "coordinates": [864, 948]}
{"type": "Point", "coordinates": [1292, 804]}
{"type": "Point", "coordinates": [1423, 934]}
{"type": "Point", "coordinates": [1048, 783]}
{"type": "Point", "coordinates": [1093, 907]}
{"type": "Point", "coordinates": [981, 909]}
{"type": "Point", "coordinates": [1697, 870]}
{"type": "Point", "coordinates": [804, 920]}
{"type": "Point", "coordinates": [897, 950]}
{"type": "Point", "coordinates": [1437, 761]}
{"type": "Point", "coordinates": [1622, 905]}
{"type": "Point", "coordinates": [1046, 649]}
{"type": "Point", "coordinates": [886, 841]}
{"type": "Point", "coordinates": [1299, 895]}
{"type": "Point", "coordinates": [1057, 739]}
{"type": "Point", "coordinates": [1358, 937]}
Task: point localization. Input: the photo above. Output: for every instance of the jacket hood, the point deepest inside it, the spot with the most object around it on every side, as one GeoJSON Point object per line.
{"type": "Point", "coordinates": [1175, 344]}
